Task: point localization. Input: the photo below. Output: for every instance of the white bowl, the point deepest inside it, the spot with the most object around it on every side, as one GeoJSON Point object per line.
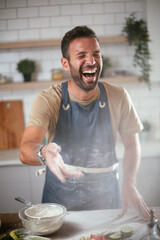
{"type": "Point", "coordinates": [43, 225]}
{"type": "Point", "coordinates": [43, 211]}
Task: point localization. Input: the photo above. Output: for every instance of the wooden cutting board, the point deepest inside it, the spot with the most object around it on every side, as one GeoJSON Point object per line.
{"type": "Point", "coordinates": [11, 124]}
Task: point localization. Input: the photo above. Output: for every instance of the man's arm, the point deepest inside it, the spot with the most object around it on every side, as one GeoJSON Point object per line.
{"type": "Point", "coordinates": [131, 162]}
{"type": "Point", "coordinates": [31, 141]}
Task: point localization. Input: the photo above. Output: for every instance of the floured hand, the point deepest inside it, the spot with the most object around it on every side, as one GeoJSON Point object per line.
{"type": "Point", "coordinates": [54, 161]}
{"type": "Point", "coordinates": [132, 198]}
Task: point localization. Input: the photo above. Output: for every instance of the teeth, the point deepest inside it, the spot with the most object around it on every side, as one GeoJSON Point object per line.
{"type": "Point", "coordinates": [89, 71]}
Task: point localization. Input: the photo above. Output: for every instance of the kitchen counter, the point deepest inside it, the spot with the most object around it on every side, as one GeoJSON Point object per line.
{"type": "Point", "coordinates": [150, 149]}
{"type": "Point", "coordinates": [84, 223]}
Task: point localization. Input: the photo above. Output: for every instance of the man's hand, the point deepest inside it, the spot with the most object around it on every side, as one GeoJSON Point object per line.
{"type": "Point", "coordinates": [131, 162]}
{"type": "Point", "coordinates": [31, 141]}
{"type": "Point", "coordinates": [54, 161]}
{"type": "Point", "coordinates": [132, 198]}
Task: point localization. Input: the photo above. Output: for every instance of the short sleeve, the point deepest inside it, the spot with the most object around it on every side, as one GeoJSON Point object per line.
{"type": "Point", "coordinates": [40, 112]}
{"type": "Point", "coordinates": [129, 120]}
{"type": "Point", "coordinates": [45, 110]}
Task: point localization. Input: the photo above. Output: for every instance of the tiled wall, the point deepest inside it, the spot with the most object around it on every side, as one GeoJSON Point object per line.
{"type": "Point", "coordinates": [50, 19]}
{"type": "Point", "coordinates": [22, 20]}
{"type": "Point", "coordinates": [146, 102]}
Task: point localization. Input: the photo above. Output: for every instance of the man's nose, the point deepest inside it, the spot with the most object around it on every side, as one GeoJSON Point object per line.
{"type": "Point", "coordinates": [90, 59]}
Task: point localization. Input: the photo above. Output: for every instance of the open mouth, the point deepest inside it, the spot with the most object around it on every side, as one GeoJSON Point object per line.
{"type": "Point", "coordinates": [90, 74]}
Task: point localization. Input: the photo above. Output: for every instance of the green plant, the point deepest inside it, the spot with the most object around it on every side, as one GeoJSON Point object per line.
{"type": "Point", "coordinates": [106, 64]}
{"type": "Point", "coordinates": [26, 66]}
{"type": "Point", "coordinates": [146, 126]}
{"type": "Point", "coordinates": [138, 35]}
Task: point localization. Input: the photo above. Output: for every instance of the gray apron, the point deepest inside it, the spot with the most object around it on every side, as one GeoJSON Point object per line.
{"type": "Point", "coordinates": [86, 139]}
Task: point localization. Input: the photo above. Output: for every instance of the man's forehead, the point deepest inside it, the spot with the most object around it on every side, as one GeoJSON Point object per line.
{"type": "Point", "coordinates": [84, 44]}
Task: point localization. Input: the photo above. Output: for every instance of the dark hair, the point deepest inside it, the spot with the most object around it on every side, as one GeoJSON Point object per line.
{"type": "Point", "coordinates": [77, 32]}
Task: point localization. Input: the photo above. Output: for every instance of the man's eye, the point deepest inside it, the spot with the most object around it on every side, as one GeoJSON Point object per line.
{"type": "Point", "coordinates": [81, 56]}
{"type": "Point", "coordinates": [96, 54]}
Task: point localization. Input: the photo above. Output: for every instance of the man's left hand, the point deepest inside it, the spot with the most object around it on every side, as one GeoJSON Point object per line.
{"type": "Point", "coordinates": [132, 198]}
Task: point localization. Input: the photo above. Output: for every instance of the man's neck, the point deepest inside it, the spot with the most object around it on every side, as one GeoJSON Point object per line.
{"type": "Point", "coordinates": [80, 93]}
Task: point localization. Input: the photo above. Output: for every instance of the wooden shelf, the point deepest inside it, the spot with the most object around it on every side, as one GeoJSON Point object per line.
{"type": "Point", "coordinates": [55, 42]}
{"type": "Point", "coordinates": [119, 80]}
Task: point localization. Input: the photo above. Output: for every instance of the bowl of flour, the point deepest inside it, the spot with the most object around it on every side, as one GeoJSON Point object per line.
{"type": "Point", "coordinates": [43, 219]}
{"type": "Point", "coordinates": [44, 211]}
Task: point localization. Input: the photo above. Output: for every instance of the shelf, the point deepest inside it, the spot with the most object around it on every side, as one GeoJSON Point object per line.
{"type": "Point", "coordinates": [25, 85]}
{"type": "Point", "coordinates": [46, 84]}
{"type": "Point", "coordinates": [55, 42]}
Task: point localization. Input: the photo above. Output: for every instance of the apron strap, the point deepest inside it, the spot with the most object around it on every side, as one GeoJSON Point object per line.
{"type": "Point", "coordinates": [102, 90]}
{"type": "Point", "coordinates": [64, 93]}
{"type": "Point", "coordinates": [65, 103]}
{"type": "Point", "coordinates": [103, 98]}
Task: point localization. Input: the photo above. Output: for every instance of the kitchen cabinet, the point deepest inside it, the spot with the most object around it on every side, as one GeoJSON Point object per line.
{"type": "Point", "coordinates": [148, 179]}
{"type": "Point", "coordinates": [19, 180]}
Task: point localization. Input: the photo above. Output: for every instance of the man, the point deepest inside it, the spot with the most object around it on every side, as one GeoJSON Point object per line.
{"type": "Point", "coordinates": [80, 119]}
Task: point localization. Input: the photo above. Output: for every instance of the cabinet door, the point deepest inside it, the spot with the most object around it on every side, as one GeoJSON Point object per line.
{"type": "Point", "coordinates": [19, 181]}
{"type": "Point", "coordinates": [36, 184]}
{"type": "Point", "coordinates": [148, 180]}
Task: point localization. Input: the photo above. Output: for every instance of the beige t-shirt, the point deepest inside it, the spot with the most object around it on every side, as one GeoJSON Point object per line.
{"type": "Point", "coordinates": [45, 110]}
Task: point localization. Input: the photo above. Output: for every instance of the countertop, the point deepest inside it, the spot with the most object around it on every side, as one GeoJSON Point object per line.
{"type": "Point", "coordinates": [84, 223]}
{"type": "Point", "coordinates": [150, 149]}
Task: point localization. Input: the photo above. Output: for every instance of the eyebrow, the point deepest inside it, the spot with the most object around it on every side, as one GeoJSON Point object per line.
{"type": "Point", "coordinates": [79, 53]}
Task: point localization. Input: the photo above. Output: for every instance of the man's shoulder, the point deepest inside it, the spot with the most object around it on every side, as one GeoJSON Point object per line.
{"type": "Point", "coordinates": [54, 89]}
{"type": "Point", "coordinates": [53, 93]}
{"type": "Point", "coordinates": [113, 89]}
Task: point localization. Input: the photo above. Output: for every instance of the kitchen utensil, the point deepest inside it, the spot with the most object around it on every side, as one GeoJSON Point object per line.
{"type": "Point", "coordinates": [11, 124]}
{"type": "Point", "coordinates": [43, 211]}
{"type": "Point", "coordinates": [23, 201]}
{"type": "Point", "coordinates": [149, 230]}
{"type": "Point", "coordinates": [40, 211]}
{"type": "Point", "coordinates": [43, 225]}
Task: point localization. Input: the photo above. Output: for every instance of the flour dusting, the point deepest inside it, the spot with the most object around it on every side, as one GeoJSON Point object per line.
{"type": "Point", "coordinates": [43, 211]}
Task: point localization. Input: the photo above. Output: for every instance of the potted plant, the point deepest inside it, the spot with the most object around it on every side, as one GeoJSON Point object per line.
{"type": "Point", "coordinates": [146, 129]}
{"type": "Point", "coordinates": [26, 67]}
{"type": "Point", "coordinates": [106, 64]}
{"type": "Point", "coordinates": [138, 35]}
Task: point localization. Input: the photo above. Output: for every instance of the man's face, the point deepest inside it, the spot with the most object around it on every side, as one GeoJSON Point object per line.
{"type": "Point", "coordinates": [85, 62]}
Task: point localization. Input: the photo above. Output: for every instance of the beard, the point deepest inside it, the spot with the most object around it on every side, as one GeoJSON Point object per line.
{"type": "Point", "coordinates": [77, 76]}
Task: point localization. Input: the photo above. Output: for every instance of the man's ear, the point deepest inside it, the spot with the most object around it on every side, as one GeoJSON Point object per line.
{"type": "Point", "coordinates": [65, 64]}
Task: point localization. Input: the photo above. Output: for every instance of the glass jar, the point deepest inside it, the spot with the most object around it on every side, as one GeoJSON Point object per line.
{"type": "Point", "coordinates": [57, 74]}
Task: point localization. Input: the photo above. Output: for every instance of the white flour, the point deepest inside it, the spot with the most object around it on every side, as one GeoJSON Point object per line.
{"type": "Point", "coordinates": [43, 219]}
{"type": "Point", "coordinates": [43, 211]}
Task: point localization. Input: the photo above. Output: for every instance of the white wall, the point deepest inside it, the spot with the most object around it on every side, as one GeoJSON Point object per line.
{"type": "Point", "coordinates": [22, 20]}
{"type": "Point", "coordinates": [50, 19]}
{"type": "Point", "coordinates": [146, 102]}
{"type": "Point", "coordinates": [153, 17]}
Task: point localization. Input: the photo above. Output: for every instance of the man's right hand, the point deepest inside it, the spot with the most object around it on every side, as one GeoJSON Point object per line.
{"type": "Point", "coordinates": [53, 158]}
{"type": "Point", "coordinates": [31, 141]}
